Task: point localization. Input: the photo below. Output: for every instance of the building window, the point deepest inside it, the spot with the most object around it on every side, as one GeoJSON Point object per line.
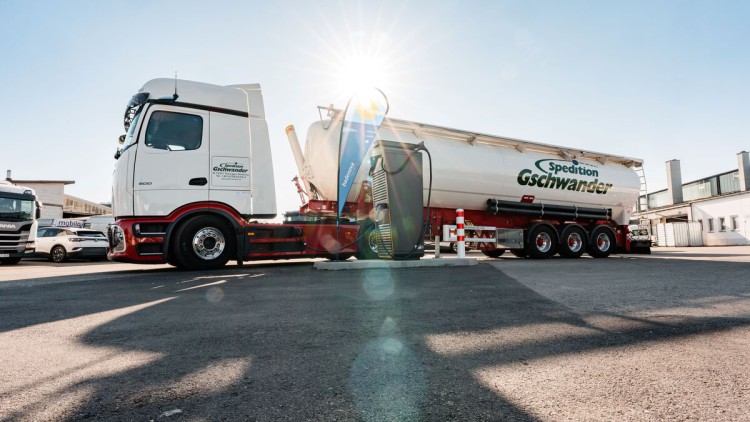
{"type": "Point", "coordinates": [710, 225]}
{"type": "Point", "coordinates": [735, 223]}
{"type": "Point", "coordinates": [722, 224]}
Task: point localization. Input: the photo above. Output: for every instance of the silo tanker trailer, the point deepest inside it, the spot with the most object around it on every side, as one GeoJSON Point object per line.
{"type": "Point", "coordinates": [534, 199]}
{"type": "Point", "coordinates": [195, 174]}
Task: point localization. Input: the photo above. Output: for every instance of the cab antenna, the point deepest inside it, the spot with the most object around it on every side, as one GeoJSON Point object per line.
{"type": "Point", "coordinates": [175, 96]}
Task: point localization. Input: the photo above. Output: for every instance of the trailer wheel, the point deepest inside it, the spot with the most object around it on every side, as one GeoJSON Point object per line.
{"type": "Point", "coordinates": [495, 253]}
{"type": "Point", "coordinates": [367, 244]}
{"type": "Point", "coordinates": [203, 243]}
{"type": "Point", "coordinates": [602, 242]}
{"type": "Point", "coordinates": [542, 242]}
{"type": "Point", "coordinates": [521, 253]}
{"type": "Point", "coordinates": [572, 242]}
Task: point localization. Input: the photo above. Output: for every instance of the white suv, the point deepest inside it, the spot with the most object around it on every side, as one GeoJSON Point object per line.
{"type": "Point", "coordinates": [61, 243]}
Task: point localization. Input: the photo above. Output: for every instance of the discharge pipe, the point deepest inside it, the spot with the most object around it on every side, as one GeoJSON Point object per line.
{"type": "Point", "coordinates": [299, 158]}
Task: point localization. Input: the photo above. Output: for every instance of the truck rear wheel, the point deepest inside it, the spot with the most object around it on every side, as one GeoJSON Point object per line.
{"type": "Point", "coordinates": [368, 241]}
{"type": "Point", "coordinates": [542, 242]}
{"type": "Point", "coordinates": [203, 243]}
{"type": "Point", "coordinates": [495, 253]}
{"type": "Point", "coordinates": [602, 242]}
{"type": "Point", "coordinates": [572, 242]}
{"type": "Point", "coordinates": [521, 253]}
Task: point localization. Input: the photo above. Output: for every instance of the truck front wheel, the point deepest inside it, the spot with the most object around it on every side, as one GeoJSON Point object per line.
{"type": "Point", "coordinates": [542, 242]}
{"type": "Point", "coordinates": [602, 242]}
{"type": "Point", "coordinates": [203, 243]}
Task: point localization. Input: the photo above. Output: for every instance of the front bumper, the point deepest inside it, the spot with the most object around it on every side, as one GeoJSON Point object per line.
{"type": "Point", "coordinates": [126, 246]}
{"type": "Point", "coordinates": [88, 252]}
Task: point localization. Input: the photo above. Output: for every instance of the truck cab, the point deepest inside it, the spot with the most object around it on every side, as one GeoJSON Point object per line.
{"type": "Point", "coordinates": [190, 142]}
{"type": "Point", "coordinates": [19, 210]}
{"type": "Point", "coordinates": [192, 151]}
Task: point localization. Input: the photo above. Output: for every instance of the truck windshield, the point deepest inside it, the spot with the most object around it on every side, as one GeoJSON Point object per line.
{"type": "Point", "coordinates": [12, 209]}
{"type": "Point", "coordinates": [131, 130]}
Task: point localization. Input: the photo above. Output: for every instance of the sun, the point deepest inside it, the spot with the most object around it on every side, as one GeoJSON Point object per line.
{"type": "Point", "coordinates": [361, 72]}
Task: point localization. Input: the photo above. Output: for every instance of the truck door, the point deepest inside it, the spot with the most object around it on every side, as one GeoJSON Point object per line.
{"type": "Point", "coordinates": [171, 162]}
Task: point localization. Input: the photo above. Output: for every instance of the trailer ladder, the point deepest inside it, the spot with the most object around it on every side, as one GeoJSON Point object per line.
{"type": "Point", "coordinates": [643, 195]}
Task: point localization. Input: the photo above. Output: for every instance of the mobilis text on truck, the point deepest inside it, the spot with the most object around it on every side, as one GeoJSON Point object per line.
{"type": "Point", "coordinates": [195, 173]}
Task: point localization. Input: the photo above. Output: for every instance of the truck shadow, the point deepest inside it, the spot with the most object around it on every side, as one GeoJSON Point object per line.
{"type": "Point", "coordinates": [356, 345]}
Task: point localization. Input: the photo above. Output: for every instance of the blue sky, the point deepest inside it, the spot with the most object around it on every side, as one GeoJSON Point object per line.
{"type": "Point", "coordinates": [655, 80]}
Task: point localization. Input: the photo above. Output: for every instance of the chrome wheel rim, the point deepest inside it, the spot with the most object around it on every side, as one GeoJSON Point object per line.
{"type": "Point", "coordinates": [602, 242]}
{"type": "Point", "coordinates": [208, 243]}
{"type": "Point", "coordinates": [575, 242]}
{"type": "Point", "coordinates": [58, 254]}
{"type": "Point", "coordinates": [543, 242]}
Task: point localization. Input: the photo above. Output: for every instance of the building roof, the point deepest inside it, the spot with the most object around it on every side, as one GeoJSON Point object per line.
{"type": "Point", "coordinates": [64, 182]}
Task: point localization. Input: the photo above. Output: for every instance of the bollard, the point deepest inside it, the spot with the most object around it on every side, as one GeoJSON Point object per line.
{"type": "Point", "coordinates": [460, 243]}
{"type": "Point", "coordinates": [437, 246]}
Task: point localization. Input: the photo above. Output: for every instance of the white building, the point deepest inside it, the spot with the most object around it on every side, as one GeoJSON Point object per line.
{"type": "Point", "coordinates": [56, 204]}
{"type": "Point", "coordinates": [720, 203]}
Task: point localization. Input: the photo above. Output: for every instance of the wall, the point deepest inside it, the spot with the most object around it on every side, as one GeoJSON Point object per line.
{"type": "Point", "coordinates": [726, 207]}
{"type": "Point", "coordinates": [52, 196]}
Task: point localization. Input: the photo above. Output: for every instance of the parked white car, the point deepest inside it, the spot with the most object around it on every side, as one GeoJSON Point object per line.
{"type": "Point", "coordinates": [60, 243]}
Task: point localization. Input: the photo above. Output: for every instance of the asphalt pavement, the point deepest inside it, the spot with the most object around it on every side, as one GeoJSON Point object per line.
{"type": "Point", "coordinates": [660, 337]}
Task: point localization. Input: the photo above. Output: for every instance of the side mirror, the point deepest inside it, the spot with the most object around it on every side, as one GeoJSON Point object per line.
{"type": "Point", "coordinates": [121, 140]}
{"type": "Point", "coordinates": [118, 153]}
{"type": "Point", "coordinates": [38, 213]}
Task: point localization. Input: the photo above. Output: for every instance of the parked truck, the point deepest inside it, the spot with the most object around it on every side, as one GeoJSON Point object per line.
{"type": "Point", "coordinates": [194, 175]}
{"type": "Point", "coordinates": [19, 209]}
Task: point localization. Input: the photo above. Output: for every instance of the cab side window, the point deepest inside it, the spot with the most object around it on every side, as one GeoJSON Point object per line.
{"type": "Point", "coordinates": [174, 131]}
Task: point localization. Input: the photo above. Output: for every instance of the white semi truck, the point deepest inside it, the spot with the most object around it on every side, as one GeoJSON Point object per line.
{"type": "Point", "coordinates": [195, 172]}
{"type": "Point", "coordinates": [19, 210]}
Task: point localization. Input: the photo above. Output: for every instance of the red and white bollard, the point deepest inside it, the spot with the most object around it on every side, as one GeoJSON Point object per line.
{"type": "Point", "coordinates": [460, 242]}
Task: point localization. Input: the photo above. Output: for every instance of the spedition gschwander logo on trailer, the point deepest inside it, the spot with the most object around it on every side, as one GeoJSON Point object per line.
{"type": "Point", "coordinates": [561, 174]}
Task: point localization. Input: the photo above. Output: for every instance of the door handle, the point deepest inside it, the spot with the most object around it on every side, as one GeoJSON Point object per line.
{"type": "Point", "coordinates": [198, 181]}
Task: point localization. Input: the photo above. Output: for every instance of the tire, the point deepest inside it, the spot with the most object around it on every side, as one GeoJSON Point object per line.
{"type": "Point", "coordinates": [601, 242]}
{"type": "Point", "coordinates": [204, 242]}
{"type": "Point", "coordinates": [341, 257]}
{"type": "Point", "coordinates": [495, 253]}
{"type": "Point", "coordinates": [573, 242]}
{"type": "Point", "coordinates": [521, 253]}
{"type": "Point", "coordinates": [9, 261]}
{"type": "Point", "coordinates": [367, 243]}
{"type": "Point", "coordinates": [58, 254]}
{"type": "Point", "coordinates": [542, 242]}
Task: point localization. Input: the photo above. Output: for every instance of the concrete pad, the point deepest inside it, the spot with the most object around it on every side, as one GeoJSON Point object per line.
{"type": "Point", "coordinates": [377, 263]}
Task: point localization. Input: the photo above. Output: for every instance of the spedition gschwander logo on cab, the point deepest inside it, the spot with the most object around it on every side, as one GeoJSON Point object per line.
{"type": "Point", "coordinates": [560, 174]}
